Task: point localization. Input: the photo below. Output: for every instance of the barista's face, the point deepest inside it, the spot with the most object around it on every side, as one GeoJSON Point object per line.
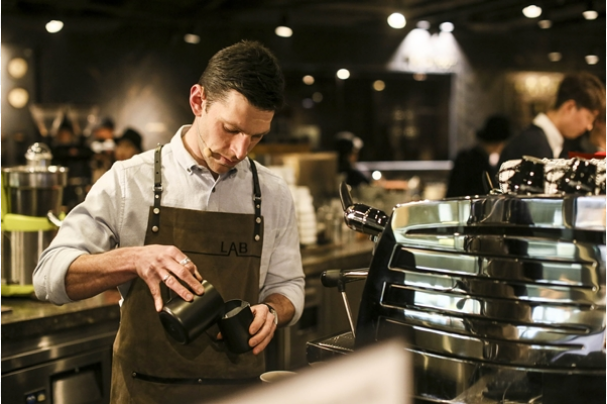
{"type": "Point", "coordinates": [228, 129]}
{"type": "Point", "coordinates": [576, 121]}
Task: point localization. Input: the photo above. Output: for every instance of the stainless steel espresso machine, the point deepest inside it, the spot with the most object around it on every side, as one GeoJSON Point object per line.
{"type": "Point", "coordinates": [500, 298]}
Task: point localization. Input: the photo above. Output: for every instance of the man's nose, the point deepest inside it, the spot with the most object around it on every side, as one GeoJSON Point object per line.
{"type": "Point", "coordinates": [240, 146]}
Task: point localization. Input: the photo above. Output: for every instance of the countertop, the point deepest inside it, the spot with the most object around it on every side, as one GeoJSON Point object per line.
{"type": "Point", "coordinates": [29, 317]}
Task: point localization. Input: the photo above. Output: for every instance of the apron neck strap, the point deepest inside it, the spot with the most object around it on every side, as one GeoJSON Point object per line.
{"type": "Point", "coordinates": [157, 187]}
{"type": "Point", "coordinates": [158, 193]}
{"type": "Point", "coordinates": [256, 200]}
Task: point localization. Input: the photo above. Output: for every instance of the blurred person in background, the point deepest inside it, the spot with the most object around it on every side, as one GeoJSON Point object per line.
{"type": "Point", "coordinates": [594, 141]}
{"type": "Point", "coordinates": [580, 97]}
{"type": "Point", "coordinates": [348, 147]}
{"type": "Point", "coordinates": [128, 145]}
{"type": "Point", "coordinates": [102, 145]}
{"type": "Point", "coordinates": [470, 165]}
{"type": "Point", "coordinates": [69, 151]}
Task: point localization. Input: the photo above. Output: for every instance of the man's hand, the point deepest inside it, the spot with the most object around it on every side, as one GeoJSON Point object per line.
{"type": "Point", "coordinates": [91, 274]}
{"type": "Point", "coordinates": [160, 263]}
{"type": "Point", "coordinates": [262, 328]}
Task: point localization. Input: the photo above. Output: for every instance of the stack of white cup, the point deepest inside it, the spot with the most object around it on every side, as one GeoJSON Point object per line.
{"type": "Point", "coordinates": [306, 215]}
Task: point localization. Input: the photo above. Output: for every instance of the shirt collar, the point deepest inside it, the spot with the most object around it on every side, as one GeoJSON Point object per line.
{"type": "Point", "coordinates": [185, 159]}
{"type": "Point", "coordinates": [555, 139]}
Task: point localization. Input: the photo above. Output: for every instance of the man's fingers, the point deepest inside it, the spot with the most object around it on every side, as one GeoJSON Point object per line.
{"type": "Point", "coordinates": [174, 284]}
{"type": "Point", "coordinates": [155, 290]}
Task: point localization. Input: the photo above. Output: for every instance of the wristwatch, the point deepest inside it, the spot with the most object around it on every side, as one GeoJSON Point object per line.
{"type": "Point", "coordinates": [274, 313]}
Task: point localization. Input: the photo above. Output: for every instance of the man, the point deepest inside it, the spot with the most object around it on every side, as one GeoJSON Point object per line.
{"type": "Point", "coordinates": [348, 147]}
{"type": "Point", "coordinates": [213, 214]}
{"type": "Point", "coordinates": [579, 99]}
{"type": "Point", "coordinates": [470, 165]}
{"type": "Point", "coordinates": [102, 145]}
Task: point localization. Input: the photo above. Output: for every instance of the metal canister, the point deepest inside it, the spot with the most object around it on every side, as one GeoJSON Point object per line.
{"type": "Point", "coordinates": [29, 193]}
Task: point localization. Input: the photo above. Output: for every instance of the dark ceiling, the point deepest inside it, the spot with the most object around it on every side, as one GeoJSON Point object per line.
{"type": "Point", "coordinates": [475, 16]}
{"type": "Point", "coordinates": [341, 31]}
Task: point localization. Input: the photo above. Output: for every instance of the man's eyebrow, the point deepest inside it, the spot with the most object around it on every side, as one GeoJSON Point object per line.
{"type": "Point", "coordinates": [235, 127]}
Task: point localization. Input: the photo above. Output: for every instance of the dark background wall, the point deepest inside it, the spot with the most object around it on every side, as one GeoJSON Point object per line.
{"type": "Point", "coordinates": [140, 74]}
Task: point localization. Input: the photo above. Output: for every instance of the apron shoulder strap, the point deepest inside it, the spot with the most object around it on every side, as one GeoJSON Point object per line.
{"type": "Point", "coordinates": [256, 200]}
{"type": "Point", "coordinates": [157, 187]}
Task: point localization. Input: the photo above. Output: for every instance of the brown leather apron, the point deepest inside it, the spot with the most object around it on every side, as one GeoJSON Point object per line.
{"type": "Point", "coordinates": [149, 366]}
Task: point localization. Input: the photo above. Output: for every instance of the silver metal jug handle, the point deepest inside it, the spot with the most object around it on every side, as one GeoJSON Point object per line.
{"type": "Point", "coordinates": [54, 219]}
{"type": "Point", "coordinates": [359, 217]}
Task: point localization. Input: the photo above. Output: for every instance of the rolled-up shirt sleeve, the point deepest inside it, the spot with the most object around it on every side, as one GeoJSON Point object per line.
{"type": "Point", "coordinates": [285, 274]}
{"type": "Point", "coordinates": [89, 228]}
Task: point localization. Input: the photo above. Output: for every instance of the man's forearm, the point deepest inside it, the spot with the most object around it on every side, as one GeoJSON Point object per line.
{"type": "Point", "coordinates": [91, 274]}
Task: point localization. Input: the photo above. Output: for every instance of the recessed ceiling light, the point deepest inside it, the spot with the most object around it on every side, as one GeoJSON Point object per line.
{"type": "Point", "coordinates": [544, 24]}
{"type": "Point", "coordinates": [54, 26]}
{"type": "Point", "coordinates": [590, 14]}
{"type": "Point", "coordinates": [283, 31]}
{"type": "Point", "coordinates": [191, 38]}
{"type": "Point", "coordinates": [307, 79]}
{"type": "Point", "coordinates": [423, 24]}
{"type": "Point", "coordinates": [591, 59]}
{"type": "Point", "coordinates": [379, 85]}
{"type": "Point", "coordinates": [532, 11]}
{"type": "Point", "coordinates": [343, 74]}
{"type": "Point", "coordinates": [555, 56]}
{"type": "Point", "coordinates": [397, 20]}
{"type": "Point", "coordinates": [446, 26]}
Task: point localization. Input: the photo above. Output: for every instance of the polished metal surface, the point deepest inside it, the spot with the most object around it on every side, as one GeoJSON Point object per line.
{"type": "Point", "coordinates": [501, 298]}
{"type": "Point", "coordinates": [33, 191]}
{"type": "Point", "coordinates": [20, 253]}
{"type": "Point", "coordinates": [328, 348]}
{"type": "Point", "coordinates": [360, 217]}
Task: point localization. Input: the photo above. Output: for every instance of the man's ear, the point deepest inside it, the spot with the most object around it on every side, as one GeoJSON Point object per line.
{"type": "Point", "coordinates": [197, 99]}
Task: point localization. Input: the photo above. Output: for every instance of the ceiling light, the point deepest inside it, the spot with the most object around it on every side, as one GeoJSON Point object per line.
{"type": "Point", "coordinates": [54, 26]}
{"type": "Point", "coordinates": [544, 24]}
{"type": "Point", "coordinates": [317, 97]}
{"type": "Point", "coordinates": [591, 59]}
{"type": "Point", "coordinates": [307, 79]}
{"type": "Point", "coordinates": [446, 26]}
{"type": "Point", "coordinates": [423, 24]}
{"type": "Point", "coordinates": [343, 74]}
{"type": "Point", "coordinates": [532, 11]}
{"type": "Point", "coordinates": [283, 31]}
{"type": "Point", "coordinates": [379, 85]}
{"type": "Point", "coordinates": [555, 56]}
{"type": "Point", "coordinates": [191, 38]}
{"type": "Point", "coordinates": [397, 20]}
{"type": "Point", "coordinates": [590, 14]}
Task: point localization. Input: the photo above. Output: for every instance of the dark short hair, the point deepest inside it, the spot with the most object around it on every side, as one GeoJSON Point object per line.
{"type": "Point", "coordinates": [584, 88]}
{"type": "Point", "coordinates": [496, 129]}
{"type": "Point", "coordinates": [249, 68]}
{"type": "Point", "coordinates": [131, 135]}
